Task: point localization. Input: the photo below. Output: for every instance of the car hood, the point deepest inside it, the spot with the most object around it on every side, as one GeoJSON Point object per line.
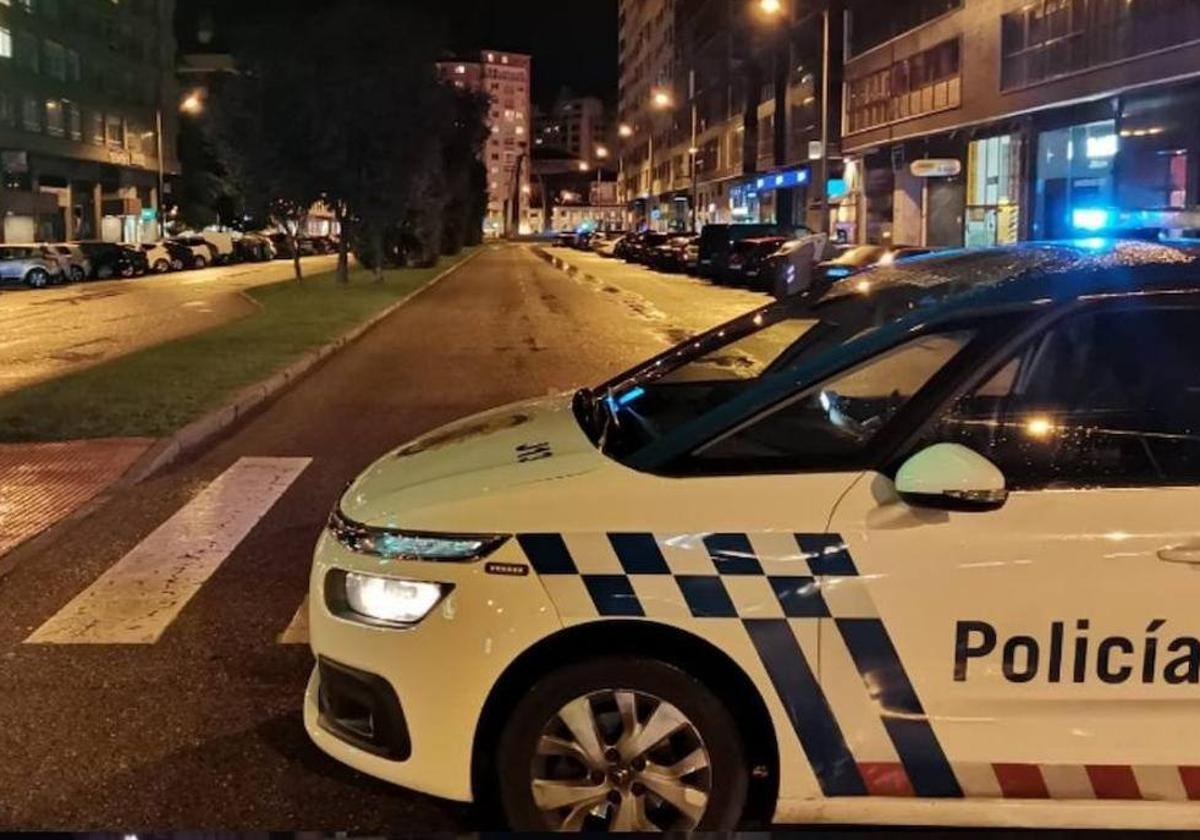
{"type": "Point", "coordinates": [514, 446]}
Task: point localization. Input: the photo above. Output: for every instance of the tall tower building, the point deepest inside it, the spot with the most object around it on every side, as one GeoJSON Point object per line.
{"type": "Point", "coordinates": [505, 78]}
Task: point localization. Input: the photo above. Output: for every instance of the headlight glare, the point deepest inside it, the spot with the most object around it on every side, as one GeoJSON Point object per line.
{"type": "Point", "coordinates": [380, 600]}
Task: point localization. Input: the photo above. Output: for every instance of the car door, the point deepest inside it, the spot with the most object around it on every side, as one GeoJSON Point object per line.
{"type": "Point", "coordinates": [1046, 649]}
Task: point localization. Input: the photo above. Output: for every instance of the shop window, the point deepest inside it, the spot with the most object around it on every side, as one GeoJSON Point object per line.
{"type": "Point", "coordinates": [1074, 175]}
{"type": "Point", "coordinates": [993, 191]}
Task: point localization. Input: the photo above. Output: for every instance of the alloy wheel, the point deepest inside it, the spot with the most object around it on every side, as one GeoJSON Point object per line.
{"type": "Point", "coordinates": [621, 760]}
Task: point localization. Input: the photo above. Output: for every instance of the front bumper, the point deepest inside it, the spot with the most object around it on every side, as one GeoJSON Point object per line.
{"type": "Point", "coordinates": [440, 672]}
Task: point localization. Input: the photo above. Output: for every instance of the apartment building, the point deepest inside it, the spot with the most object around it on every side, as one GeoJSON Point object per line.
{"type": "Point", "coordinates": [978, 122]}
{"type": "Point", "coordinates": [505, 77]}
{"type": "Point", "coordinates": [646, 55]}
{"type": "Point", "coordinates": [742, 111]}
{"type": "Point", "coordinates": [87, 103]}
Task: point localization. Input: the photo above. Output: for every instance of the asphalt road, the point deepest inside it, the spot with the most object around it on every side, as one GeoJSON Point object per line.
{"type": "Point", "coordinates": [49, 332]}
{"type": "Point", "coordinates": [201, 729]}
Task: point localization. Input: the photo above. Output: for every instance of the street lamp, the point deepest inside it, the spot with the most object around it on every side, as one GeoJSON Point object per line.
{"type": "Point", "coordinates": [193, 103]}
{"type": "Point", "coordinates": [770, 7]}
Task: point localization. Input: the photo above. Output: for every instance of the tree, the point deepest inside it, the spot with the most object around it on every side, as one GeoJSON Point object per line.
{"type": "Point", "coordinates": [348, 109]}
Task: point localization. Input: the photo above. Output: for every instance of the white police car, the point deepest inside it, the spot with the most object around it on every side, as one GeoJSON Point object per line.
{"type": "Point", "coordinates": [926, 552]}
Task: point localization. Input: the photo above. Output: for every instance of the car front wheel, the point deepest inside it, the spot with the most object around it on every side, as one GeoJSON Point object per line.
{"type": "Point", "coordinates": [37, 278]}
{"type": "Point", "coordinates": [624, 744]}
{"type": "Point", "coordinates": [161, 266]}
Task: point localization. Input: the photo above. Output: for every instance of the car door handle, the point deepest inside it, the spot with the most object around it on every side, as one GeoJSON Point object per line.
{"type": "Point", "coordinates": [1189, 553]}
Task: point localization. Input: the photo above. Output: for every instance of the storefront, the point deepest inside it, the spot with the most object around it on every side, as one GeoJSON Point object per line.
{"type": "Point", "coordinates": [993, 209]}
{"type": "Point", "coordinates": [776, 197]}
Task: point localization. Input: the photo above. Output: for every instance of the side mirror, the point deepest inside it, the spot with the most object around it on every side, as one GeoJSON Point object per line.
{"type": "Point", "coordinates": [949, 476]}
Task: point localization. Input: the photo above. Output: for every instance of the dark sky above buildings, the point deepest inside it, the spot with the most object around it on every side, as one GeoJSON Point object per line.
{"type": "Point", "coordinates": [573, 42]}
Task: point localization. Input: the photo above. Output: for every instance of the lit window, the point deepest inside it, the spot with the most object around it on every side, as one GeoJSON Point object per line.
{"type": "Point", "coordinates": [5, 43]}
{"type": "Point", "coordinates": [460, 69]}
{"type": "Point", "coordinates": [55, 124]}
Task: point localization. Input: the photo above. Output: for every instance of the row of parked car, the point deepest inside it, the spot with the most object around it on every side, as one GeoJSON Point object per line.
{"type": "Point", "coordinates": [748, 255]}
{"type": "Point", "coordinates": [50, 263]}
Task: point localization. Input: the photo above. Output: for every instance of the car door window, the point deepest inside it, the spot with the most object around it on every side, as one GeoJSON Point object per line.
{"type": "Point", "coordinates": [1106, 398]}
{"type": "Point", "coordinates": [841, 417]}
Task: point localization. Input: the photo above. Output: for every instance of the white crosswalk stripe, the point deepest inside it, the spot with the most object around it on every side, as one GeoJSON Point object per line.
{"type": "Point", "coordinates": [137, 598]}
{"type": "Point", "coordinates": [296, 632]}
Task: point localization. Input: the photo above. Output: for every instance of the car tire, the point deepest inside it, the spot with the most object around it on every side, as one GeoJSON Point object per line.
{"type": "Point", "coordinates": [161, 266]}
{"type": "Point", "coordinates": [77, 274]}
{"type": "Point", "coordinates": [37, 278]}
{"type": "Point", "coordinates": [200, 262]}
{"type": "Point", "coordinates": [127, 271]}
{"type": "Point", "coordinates": [638, 794]}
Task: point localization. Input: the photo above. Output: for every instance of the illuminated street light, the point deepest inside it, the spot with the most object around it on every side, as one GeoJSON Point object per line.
{"type": "Point", "coordinates": [770, 7]}
{"type": "Point", "coordinates": [193, 103]}
{"type": "Point", "coordinates": [583, 166]}
{"type": "Point", "coordinates": [625, 130]}
{"type": "Point", "coordinates": [662, 99]}
{"type": "Point", "coordinates": [601, 152]}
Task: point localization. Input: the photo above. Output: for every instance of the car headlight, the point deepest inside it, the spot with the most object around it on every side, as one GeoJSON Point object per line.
{"type": "Point", "coordinates": [393, 544]}
{"type": "Point", "coordinates": [383, 601]}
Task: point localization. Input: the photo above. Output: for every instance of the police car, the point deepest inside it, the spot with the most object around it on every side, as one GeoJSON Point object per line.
{"type": "Point", "coordinates": [925, 551]}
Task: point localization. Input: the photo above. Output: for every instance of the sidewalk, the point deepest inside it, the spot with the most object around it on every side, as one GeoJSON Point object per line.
{"type": "Point", "coordinates": [43, 483]}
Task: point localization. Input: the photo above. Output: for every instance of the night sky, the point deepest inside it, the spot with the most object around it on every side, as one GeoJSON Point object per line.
{"type": "Point", "coordinates": [573, 42]}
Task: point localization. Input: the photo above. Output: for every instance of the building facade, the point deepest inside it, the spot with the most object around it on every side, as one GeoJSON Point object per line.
{"type": "Point", "coordinates": [505, 78]}
{"type": "Point", "coordinates": [981, 122]}
{"type": "Point", "coordinates": [579, 126]}
{"type": "Point", "coordinates": [734, 125]}
{"type": "Point", "coordinates": [88, 101]}
{"type": "Point", "coordinates": [646, 65]}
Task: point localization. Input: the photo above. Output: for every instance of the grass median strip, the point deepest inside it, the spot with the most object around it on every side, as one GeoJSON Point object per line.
{"type": "Point", "coordinates": [155, 391]}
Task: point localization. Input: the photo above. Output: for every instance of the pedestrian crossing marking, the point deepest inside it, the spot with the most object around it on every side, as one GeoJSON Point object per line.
{"type": "Point", "coordinates": [135, 600]}
{"type": "Point", "coordinates": [296, 632]}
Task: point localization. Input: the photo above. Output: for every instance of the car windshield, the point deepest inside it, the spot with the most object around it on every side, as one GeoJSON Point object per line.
{"type": "Point", "coordinates": [707, 372]}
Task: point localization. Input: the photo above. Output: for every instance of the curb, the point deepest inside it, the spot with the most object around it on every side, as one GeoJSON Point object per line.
{"type": "Point", "coordinates": [199, 432]}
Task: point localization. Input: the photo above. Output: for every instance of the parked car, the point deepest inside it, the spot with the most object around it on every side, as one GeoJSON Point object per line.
{"type": "Point", "coordinates": [609, 247]}
{"type": "Point", "coordinates": [745, 264]}
{"type": "Point", "coordinates": [691, 256]}
{"type": "Point", "coordinates": [716, 244]}
{"type": "Point", "coordinates": [222, 245]}
{"type": "Point", "coordinates": [324, 245]}
{"type": "Point", "coordinates": [253, 248]}
{"type": "Point", "coordinates": [282, 243]}
{"type": "Point", "coordinates": [862, 257]}
{"type": "Point", "coordinates": [110, 259]}
{"type": "Point", "coordinates": [204, 253]}
{"type": "Point", "coordinates": [669, 256]}
{"type": "Point", "coordinates": [645, 245]}
{"type": "Point", "coordinates": [158, 258]}
{"type": "Point", "coordinates": [181, 256]}
{"type": "Point", "coordinates": [29, 264]}
{"type": "Point", "coordinates": [565, 238]}
{"type": "Point", "coordinates": [73, 261]}
{"type": "Point", "coordinates": [308, 246]}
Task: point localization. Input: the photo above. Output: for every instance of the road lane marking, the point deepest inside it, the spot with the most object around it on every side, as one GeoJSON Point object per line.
{"type": "Point", "coordinates": [135, 600]}
{"type": "Point", "coordinates": [296, 632]}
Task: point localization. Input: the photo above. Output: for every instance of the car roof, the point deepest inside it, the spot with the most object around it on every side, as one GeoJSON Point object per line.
{"type": "Point", "coordinates": [1036, 271]}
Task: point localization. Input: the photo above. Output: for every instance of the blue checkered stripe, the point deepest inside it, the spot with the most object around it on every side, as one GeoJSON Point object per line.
{"type": "Point", "coordinates": [706, 594]}
{"type": "Point", "coordinates": [813, 578]}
